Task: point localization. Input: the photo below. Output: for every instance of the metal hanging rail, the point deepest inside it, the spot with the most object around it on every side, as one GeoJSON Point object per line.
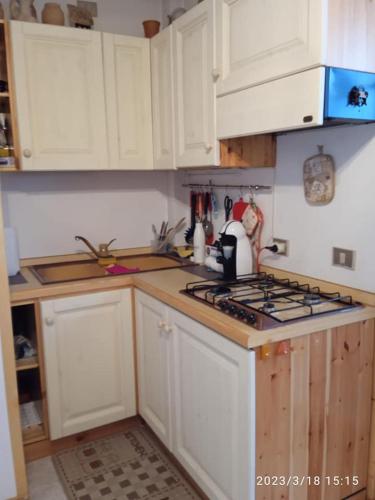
{"type": "Point", "coordinates": [252, 187]}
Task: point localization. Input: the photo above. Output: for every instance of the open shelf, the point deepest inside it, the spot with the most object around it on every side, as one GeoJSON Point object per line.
{"type": "Point", "coordinates": [30, 372]}
{"type": "Point", "coordinates": [34, 434]}
{"type": "Point", "coordinates": [27, 363]}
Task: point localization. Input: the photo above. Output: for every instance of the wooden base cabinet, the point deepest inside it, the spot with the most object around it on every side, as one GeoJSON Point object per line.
{"type": "Point", "coordinates": [313, 406]}
{"type": "Point", "coordinates": [198, 388]}
{"type": "Point", "coordinates": [89, 357]}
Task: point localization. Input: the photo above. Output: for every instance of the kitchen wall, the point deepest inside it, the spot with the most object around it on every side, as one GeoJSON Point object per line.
{"type": "Point", "coordinates": [347, 222]}
{"type": "Point", "coordinates": [116, 16]}
{"type": "Point", "coordinates": [7, 480]}
{"type": "Point", "coordinates": [49, 209]}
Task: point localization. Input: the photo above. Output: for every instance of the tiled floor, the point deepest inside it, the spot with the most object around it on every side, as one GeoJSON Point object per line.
{"type": "Point", "coordinates": [44, 483]}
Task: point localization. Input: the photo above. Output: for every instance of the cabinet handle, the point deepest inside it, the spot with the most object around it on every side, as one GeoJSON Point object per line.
{"type": "Point", "coordinates": [216, 74]}
{"type": "Point", "coordinates": [49, 321]}
{"type": "Point", "coordinates": [27, 153]}
{"type": "Point", "coordinates": [168, 329]}
{"type": "Point", "coordinates": [162, 325]}
{"type": "Point", "coordinates": [208, 148]}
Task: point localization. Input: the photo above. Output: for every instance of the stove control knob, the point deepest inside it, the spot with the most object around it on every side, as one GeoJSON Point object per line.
{"type": "Point", "coordinates": [222, 305]}
{"type": "Point", "coordinates": [241, 314]}
{"type": "Point", "coordinates": [233, 310]}
{"type": "Point", "coordinates": [251, 319]}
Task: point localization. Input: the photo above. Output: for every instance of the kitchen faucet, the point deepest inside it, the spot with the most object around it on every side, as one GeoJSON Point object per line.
{"type": "Point", "coordinates": [102, 254]}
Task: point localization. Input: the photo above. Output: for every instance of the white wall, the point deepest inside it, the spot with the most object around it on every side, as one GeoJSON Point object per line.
{"type": "Point", "coordinates": [116, 16]}
{"type": "Point", "coordinates": [347, 222]}
{"type": "Point", "coordinates": [7, 480]}
{"type": "Point", "coordinates": [49, 209]}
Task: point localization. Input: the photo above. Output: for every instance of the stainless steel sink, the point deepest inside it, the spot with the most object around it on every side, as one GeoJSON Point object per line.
{"type": "Point", "coordinates": [88, 269]}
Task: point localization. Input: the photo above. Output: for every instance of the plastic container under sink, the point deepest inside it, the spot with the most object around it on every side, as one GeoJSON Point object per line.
{"type": "Point", "coordinates": [11, 251]}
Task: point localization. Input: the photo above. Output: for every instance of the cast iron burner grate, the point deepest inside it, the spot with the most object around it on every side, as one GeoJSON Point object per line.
{"type": "Point", "coordinates": [264, 301]}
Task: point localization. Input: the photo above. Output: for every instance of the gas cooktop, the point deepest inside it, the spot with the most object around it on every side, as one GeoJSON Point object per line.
{"type": "Point", "coordinates": [264, 302]}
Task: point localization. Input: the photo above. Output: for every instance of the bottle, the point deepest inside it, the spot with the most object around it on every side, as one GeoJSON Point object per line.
{"type": "Point", "coordinates": [199, 243]}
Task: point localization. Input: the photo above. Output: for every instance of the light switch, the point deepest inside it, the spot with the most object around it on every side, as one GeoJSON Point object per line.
{"type": "Point", "coordinates": [343, 258]}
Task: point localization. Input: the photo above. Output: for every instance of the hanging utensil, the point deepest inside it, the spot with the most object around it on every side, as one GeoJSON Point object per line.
{"type": "Point", "coordinates": [228, 205]}
{"type": "Point", "coordinates": [189, 233]}
{"type": "Point", "coordinates": [207, 222]}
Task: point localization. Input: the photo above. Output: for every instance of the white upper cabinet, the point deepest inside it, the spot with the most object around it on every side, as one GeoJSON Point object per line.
{"type": "Point", "coordinates": [293, 102]}
{"type": "Point", "coordinates": [194, 63]}
{"type": "Point", "coordinates": [59, 97]}
{"type": "Point", "coordinates": [128, 99]}
{"type": "Point", "coordinates": [260, 40]}
{"type": "Point", "coordinates": [162, 100]}
{"type": "Point", "coordinates": [89, 357]}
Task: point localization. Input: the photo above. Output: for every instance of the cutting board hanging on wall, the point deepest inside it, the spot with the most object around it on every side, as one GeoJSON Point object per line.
{"type": "Point", "coordinates": [319, 178]}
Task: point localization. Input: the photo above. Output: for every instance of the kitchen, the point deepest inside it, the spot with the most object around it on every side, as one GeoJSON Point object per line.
{"type": "Point", "coordinates": [48, 208]}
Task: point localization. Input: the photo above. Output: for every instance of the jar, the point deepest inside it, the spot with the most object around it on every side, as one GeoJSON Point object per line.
{"type": "Point", "coordinates": [53, 14]}
{"type": "Point", "coordinates": [151, 28]}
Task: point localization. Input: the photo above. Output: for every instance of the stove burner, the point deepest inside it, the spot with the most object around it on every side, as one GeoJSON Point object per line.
{"type": "Point", "coordinates": [265, 302]}
{"type": "Point", "coordinates": [220, 290]}
{"type": "Point", "coordinates": [311, 299]}
{"type": "Point", "coordinates": [266, 284]}
{"type": "Point", "coordinates": [268, 307]}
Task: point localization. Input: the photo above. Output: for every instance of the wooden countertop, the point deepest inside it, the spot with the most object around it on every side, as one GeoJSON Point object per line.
{"type": "Point", "coordinates": [165, 285]}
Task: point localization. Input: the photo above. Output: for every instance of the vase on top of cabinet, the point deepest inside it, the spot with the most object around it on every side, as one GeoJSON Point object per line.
{"type": "Point", "coordinates": [53, 14]}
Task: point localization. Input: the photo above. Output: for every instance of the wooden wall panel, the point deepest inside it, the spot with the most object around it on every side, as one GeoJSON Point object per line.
{"type": "Point", "coordinates": [272, 405]}
{"type": "Point", "coordinates": [314, 412]}
{"type": "Point", "coordinates": [319, 350]}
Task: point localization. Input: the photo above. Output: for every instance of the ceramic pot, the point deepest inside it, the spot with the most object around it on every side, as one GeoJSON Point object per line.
{"type": "Point", "coordinates": [151, 28]}
{"type": "Point", "coordinates": [53, 14]}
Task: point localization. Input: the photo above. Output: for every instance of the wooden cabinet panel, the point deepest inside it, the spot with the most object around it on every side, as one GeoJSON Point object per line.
{"type": "Point", "coordinates": [163, 100]}
{"type": "Point", "coordinates": [60, 97]}
{"type": "Point", "coordinates": [214, 405]}
{"type": "Point", "coordinates": [194, 60]}
{"type": "Point", "coordinates": [313, 413]}
{"type": "Point", "coordinates": [154, 370]}
{"type": "Point", "coordinates": [128, 99]}
{"type": "Point", "coordinates": [88, 343]}
{"type": "Point", "coordinates": [258, 41]}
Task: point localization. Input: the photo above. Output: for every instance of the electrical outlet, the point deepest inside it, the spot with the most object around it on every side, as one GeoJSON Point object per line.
{"type": "Point", "coordinates": [283, 246]}
{"type": "Point", "coordinates": [343, 258]}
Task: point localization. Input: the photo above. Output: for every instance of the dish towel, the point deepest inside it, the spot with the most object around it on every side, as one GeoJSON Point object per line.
{"type": "Point", "coordinates": [117, 269]}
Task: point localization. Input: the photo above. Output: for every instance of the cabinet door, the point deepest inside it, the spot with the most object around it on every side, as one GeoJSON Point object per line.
{"type": "Point", "coordinates": [153, 350]}
{"type": "Point", "coordinates": [89, 357]}
{"type": "Point", "coordinates": [259, 41]}
{"type": "Point", "coordinates": [128, 97]}
{"type": "Point", "coordinates": [60, 97]}
{"type": "Point", "coordinates": [296, 101]}
{"type": "Point", "coordinates": [214, 392]}
{"type": "Point", "coordinates": [162, 100]}
{"type": "Point", "coordinates": [194, 56]}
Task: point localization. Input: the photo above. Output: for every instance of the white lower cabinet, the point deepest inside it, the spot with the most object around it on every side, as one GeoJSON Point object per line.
{"type": "Point", "coordinates": [153, 350]}
{"type": "Point", "coordinates": [199, 388]}
{"type": "Point", "coordinates": [89, 357]}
